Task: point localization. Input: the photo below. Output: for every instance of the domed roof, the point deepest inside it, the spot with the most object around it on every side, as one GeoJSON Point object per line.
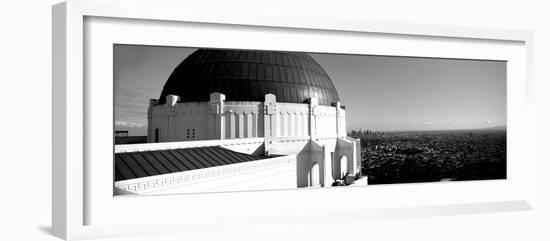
{"type": "Point", "coordinates": [246, 75]}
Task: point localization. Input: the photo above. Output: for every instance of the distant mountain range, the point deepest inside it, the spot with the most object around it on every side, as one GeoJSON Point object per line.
{"type": "Point", "coordinates": [496, 128]}
{"type": "Point", "coordinates": [490, 128]}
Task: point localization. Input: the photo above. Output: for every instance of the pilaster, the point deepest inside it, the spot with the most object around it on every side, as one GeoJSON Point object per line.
{"type": "Point", "coordinates": [270, 121]}
{"type": "Point", "coordinates": [216, 118]}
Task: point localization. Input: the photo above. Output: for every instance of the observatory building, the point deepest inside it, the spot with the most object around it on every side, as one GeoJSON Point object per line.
{"type": "Point", "coordinates": [231, 120]}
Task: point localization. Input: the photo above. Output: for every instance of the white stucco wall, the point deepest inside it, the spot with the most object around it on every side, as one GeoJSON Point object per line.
{"type": "Point", "coordinates": [220, 119]}
{"type": "Point", "coordinates": [327, 152]}
{"type": "Point", "coordinates": [271, 173]}
{"type": "Point", "coordinates": [173, 122]}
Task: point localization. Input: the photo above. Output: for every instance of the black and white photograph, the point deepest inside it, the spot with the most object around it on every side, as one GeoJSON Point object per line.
{"type": "Point", "coordinates": [200, 120]}
{"type": "Point", "coordinates": [274, 121]}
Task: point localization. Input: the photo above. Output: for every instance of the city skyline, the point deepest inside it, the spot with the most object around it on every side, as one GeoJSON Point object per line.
{"type": "Point", "coordinates": [381, 93]}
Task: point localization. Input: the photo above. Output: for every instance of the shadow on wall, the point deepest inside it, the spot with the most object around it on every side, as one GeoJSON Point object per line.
{"type": "Point", "coordinates": [309, 165]}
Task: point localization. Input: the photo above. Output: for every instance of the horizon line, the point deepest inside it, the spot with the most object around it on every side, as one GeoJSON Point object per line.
{"type": "Point", "coordinates": [465, 129]}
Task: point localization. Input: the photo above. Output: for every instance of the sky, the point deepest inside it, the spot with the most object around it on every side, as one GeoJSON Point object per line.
{"type": "Point", "coordinates": [381, 93]}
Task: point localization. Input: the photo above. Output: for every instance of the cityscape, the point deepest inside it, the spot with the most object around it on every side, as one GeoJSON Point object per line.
{"type": "Point", "coordinates": [432, 156]}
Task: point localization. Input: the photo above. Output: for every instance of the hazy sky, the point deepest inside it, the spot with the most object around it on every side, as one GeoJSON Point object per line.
{"type": "Point", "coordinates": [379, 92]}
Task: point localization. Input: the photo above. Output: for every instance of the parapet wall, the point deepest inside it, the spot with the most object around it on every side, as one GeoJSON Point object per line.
{"type": "Point", "coordinates": [266, 174]}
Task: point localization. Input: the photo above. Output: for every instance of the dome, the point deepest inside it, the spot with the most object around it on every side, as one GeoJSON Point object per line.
{"type": "Point", "coordinates": [247, 75]}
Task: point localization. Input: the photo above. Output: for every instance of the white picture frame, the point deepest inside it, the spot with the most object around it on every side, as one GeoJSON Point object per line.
{"type": "Point", "coordinates": [82, 202]}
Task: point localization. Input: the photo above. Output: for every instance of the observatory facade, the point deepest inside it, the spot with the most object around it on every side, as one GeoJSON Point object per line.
{"type": "Point", "coordinates": [230, 120]}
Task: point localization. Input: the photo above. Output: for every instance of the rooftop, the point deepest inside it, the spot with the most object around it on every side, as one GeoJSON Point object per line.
{"type": "Point", "coordinates": [130, 165]}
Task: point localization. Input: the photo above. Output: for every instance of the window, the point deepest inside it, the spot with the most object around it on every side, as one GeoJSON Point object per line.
{"type": "Point", "coordinates": [191, 134]}
{"type": "Point", "coordinates": [156, 134]}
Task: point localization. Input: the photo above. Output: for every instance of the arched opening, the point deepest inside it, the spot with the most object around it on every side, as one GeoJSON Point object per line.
{"type": "Point", "coordinates": [343, 166]}
{"type": "Point", "coordinates": [314, 178]}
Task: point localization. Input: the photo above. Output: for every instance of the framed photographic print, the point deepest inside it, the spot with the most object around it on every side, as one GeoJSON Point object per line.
{"type": "Point", "coordinates": [199, 121]}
